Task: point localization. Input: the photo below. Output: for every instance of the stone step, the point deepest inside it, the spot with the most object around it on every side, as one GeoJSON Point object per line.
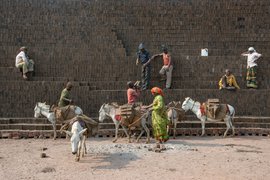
{"type": "Point", "coordinates": [177, 83]}
{"type": "Point", "coordinates": [189, 122]}
{"type": "Point", "coordinates": [102, 126]}
{"type": "Point", "coordinates": [197, 132]}
{"type": "Point", "coordinates": [187, 118]}
{"type": "Point", "coordinates": [17, 134]}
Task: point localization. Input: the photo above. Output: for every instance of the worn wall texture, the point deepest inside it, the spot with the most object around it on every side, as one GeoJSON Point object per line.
{"type": "Point", "coordinates": [94, 43]}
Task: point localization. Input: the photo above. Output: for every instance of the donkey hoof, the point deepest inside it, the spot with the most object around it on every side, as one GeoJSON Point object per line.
{"type": "Point", "coordinates": [77, 159]}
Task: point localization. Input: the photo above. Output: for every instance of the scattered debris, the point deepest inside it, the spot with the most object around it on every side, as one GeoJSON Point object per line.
{"type": "Point", "coordinates": [251, 151]}
{"type": "Point", "coordinates": [48, 169]}
{"type": "Point", "coordinates": [136, 148]}
{"type": "Point", "coordinates": [44, 149]}
{"type": "Point", "coordinates": [43, 155]}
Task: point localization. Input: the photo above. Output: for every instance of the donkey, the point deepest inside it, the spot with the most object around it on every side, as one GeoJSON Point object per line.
{"type": "Point", "coordinates": [195, 107]}
{"type": "Point", "coordinates": [175, 114]}
{"type": "Point", "coordinates": [108, 110]}
{"type": "Point", "coordinates": [77, 140]}
{"type": "Point", "coordinates": [44, 109]}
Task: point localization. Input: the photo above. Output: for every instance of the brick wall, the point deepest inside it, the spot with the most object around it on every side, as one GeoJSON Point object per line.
{"type": "Point", "coordinates": [93, 44]}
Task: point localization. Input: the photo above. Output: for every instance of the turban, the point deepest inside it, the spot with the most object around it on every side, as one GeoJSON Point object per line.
{"type": "Point", "coordinates": [157, 91]}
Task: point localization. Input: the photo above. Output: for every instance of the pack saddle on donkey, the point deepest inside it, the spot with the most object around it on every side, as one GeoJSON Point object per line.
{"type": "Point", "coordinates": [212, 111]}
{"type": "Point", "coordinates": [128, 116]}
{"type": "Point", "coordinates": [65, 115]}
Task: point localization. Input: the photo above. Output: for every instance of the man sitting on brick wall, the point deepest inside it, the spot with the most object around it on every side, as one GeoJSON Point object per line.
{"type": "Point", "coordinates": [24, 63]}
{"type": "Point", "coordinates": [228, 81]}
{"type": "Point", "coordinates": [252, 57]}
{"type": "Point", "coordinates": [143, 56]}
{"type": "Point", "coordinates": [166, 70]}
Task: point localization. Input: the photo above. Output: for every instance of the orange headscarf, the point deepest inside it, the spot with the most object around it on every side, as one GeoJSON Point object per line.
{"type": "Point", "coordinates": [157, 90]}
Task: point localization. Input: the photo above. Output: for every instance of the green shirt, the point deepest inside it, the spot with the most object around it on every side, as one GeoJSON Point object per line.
{"type": "Point", "coordinates": [64, 99]}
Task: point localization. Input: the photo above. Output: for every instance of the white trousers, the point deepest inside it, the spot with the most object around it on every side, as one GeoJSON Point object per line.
{"type": "Point", "coordinates": [168, 73]}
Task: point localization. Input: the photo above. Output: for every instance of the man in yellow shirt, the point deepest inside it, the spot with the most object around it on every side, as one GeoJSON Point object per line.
{"type": "Point", "coordinates": [228, 81]}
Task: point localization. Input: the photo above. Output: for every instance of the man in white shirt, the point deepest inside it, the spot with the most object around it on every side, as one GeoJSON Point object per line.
{"type": "Point", "coordinates": [23, 62]}
{"type": "Point", "coordinates": [252, 57]}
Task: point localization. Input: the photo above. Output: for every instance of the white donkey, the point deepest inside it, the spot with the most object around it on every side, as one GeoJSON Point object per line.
{"type": "Point", "coordinates": [175, 114]}
{"type": "Point", "coordinates": [108, 110]}
{"type": "Point", "coordinates": [44, 109]}
{"type": "Point", "coordinates": [77, 140]}
{"type": "Point", "coordinates": [194, 106]}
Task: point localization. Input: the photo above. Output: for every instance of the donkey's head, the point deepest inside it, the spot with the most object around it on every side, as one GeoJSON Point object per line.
{"type": "Point", "coordinates": [103, 112]}
{"type": "Point", "coordinates": [75, 134]}
{"type": "Point", "coordinates": [38, 108]}
{"type": "Point", "coordinates": [186, 104]}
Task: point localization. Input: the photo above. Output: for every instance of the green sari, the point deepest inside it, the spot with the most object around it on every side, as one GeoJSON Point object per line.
{"type": "Point", "coordinates": [159, 119]}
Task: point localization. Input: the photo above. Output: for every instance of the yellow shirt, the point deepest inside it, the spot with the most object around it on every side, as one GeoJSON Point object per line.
{"type": "Point", "coordinates": [231, 81]}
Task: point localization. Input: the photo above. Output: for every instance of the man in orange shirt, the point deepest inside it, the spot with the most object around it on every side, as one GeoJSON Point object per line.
{"type": "Point", "coordinates": [166, 70]}
{"type": "Point", "coordinates": [132, 93]}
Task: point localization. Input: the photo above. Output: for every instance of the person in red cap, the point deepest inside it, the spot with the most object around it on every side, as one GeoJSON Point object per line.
{"type": "Point", "coordinates": [159, 117]}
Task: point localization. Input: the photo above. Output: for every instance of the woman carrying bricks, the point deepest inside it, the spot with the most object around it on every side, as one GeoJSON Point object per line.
{"type": "Point", "coordinates": [143, 56]}
{"type": "Point", "coordinates": [252, 57]}
{"type": "Point", "coordinates": [159, 118]}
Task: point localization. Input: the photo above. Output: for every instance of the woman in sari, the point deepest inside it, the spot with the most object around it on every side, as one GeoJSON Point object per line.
{"type": "Point", "coordinates": [159, 117]}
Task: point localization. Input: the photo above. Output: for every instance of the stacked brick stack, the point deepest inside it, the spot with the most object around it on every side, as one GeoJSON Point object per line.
{"type": "Point", "coordinates": [93, 44]}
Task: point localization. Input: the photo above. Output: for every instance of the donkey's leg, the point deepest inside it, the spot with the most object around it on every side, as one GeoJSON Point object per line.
{"type": "Point", "coordinates": [174, 128]}
{"type": "Point", "coordinates": [148, 133]}
{"type": "Point", "coordinates": [143, 128]}
{"type": "Point", "coordinates": [230, 121]}
{"type": "Point", "coordinates": [54, 130]}
{"type": "Point", "coordinates": [126, 132]}
{"type": "Point", "coordinates": [168, 128]}
{"type": "Point", "coordinates": [142, 131]}
{"type": "Point", "coordinates": [116, 131]}
{"type": "Point", "coordinates": [203, 126]}
{"type": "Point", "coordinates": [84, 146]}
{"type": "Point", "coordinates": [78, 154]}
{"type": "Point", "coordinates": [85, 149]}
{"type": "Point", "coordinates": [226, 119]}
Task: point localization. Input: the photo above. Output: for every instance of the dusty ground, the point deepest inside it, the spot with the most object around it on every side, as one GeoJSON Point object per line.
{"type": "Point", "coordinates": [185, 158]}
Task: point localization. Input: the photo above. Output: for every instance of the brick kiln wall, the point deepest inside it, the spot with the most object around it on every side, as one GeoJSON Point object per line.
{"type": "Point", "coordinates": [93, 43]}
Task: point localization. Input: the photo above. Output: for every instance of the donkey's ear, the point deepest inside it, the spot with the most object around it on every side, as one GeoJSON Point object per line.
{"type": "Point", "coordinates": [82, 131]}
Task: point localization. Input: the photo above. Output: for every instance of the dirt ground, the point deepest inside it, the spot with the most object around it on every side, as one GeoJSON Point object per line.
{"type": "Point", "coordinates": [185, 158]}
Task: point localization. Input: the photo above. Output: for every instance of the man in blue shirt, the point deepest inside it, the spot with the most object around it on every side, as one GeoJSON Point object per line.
{"type": "Point", "coordinates": [143, 56]}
